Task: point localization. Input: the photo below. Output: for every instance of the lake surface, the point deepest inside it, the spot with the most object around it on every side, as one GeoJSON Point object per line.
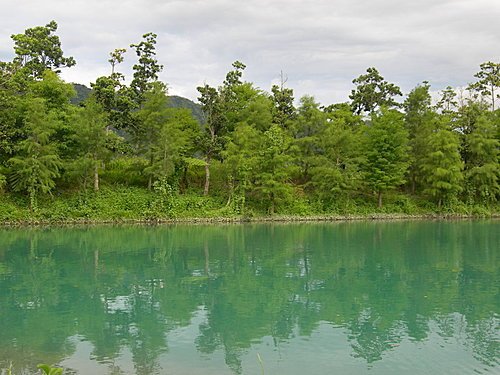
{"type": "Point", "coordinates": [416, 297]}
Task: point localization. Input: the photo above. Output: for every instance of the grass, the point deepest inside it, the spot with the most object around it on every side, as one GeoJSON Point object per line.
{"type": "Point", "coordinates": [134, 204]}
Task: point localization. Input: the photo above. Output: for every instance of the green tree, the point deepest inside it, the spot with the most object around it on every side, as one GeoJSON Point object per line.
{"type": "Point", "coordinates": [275, 168]}
{"type": "Point", "coordinates": [441, 165]}
{"type": "Point", "coordinates": [447, 103]}
{"type": "Point", "coordinates": [148, 124]}
{"type": "Point", "coordinates": [307, 129]}
{"type": "Point", "coordinates": [335, 170]}
{"type": "Point", "coordinates": [10, 123]}
{"type": "Point", "coordinates": [163, 135]}
{"type": "Point", "coordinates": [174, 144]}
{"type": "Point", "coordinates": [147, 68]}
{"type": "Point", "coordinates": [92, 139]}
{"type": "Point", "coordinates": [385, 152]}
{"type": "Point", "coordinates": [38, 49]}
{"type": "Point", "coordinates": [57, 95]}
{"type": "Point", "coordinates": [117, 100]}
{"type": "Point", "coordinates": [373, 92]}
{"type": "Point", "coordinates": [283, 109]}
{"type": "Point", "coordinates": [418, 116]}
{"type": "Point", "coordinates": [36, 164]}
{"type": "Point", "coordinates": [241, 156]}
{"type": "Point", "coordinates": [483, 168]}
{"type": "Point", "coordinates": [211, 141]}
{"type": "Point", "coordinates": [115, 58]}
{"type": "Point", "coordinates": [488, 81]}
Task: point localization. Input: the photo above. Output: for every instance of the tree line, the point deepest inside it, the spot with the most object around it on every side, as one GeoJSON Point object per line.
{"type": "Point", "coordinates": [254, 149]}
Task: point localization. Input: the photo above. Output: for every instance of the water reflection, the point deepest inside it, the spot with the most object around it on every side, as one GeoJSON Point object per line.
{"type": "Point", "coordinates": [126, 299]}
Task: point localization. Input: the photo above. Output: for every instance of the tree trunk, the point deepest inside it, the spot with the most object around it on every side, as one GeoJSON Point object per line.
{"type": "Point", "coordinates": [207, 176]}
{"type": "Point", "coordinates": [231, 191]}
{"type": "Point", "coordinates": [380, 199]}
{"type": "Point", "coordinates": [492, 97]}
{"type": "Point", "coordinates": [96, 176]}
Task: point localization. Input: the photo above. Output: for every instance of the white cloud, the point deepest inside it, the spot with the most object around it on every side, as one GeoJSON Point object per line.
{"type": "Point", "coordinates": [320, 44]}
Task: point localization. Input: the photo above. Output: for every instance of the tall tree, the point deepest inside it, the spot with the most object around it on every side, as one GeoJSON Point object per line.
{"type": "Point", "coordinates": [223, 109]}
{"type": "Point", "coordinates": [115, 58]}
{"type": "Point", "coordinates": [242, 159]}
{"type": "Point", "coordinates": [309, 125]}
{"type": "Point", "coordinates": [147, 68]}
{"type": "Point", "coordinates": [418, 115]}
{"type": "Point", "coordinates": [149, 121]}
{"type": "Point", "coordinates": [386, 152]}
{"type": "Point", "coordinates": [335, 170]}
{"type": "Point", "coordinates": [372, 92]}
{"type": "Point", "coordinates": [38, 49]}
{"type": "Point", "coordinates": [10, 122]}
{"type": "Point", "coordinates": [211, 141]}
{"type": "Point", "coordinates": [92, 139]}
{"type": "Point", "coordinates": [174, 143]}
{"type": "Point", "coordinates": [283, 108]}
{"type": "Point", "coordinates": [448, 101]}
{"type": "Point", "coordinates": [441, 165]}
{"type": "Point", "coordinates": [275, 168]}
{"type": "Point", "coordinates": [488, 81]}
{"type": "Point", "coordinates": [36, 164]}
{"type": "Point", "coordinates": [483, 167]}
{"type": "Point", "coordinates": [117, 100]}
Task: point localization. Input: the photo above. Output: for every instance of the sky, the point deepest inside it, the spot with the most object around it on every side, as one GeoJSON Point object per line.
{"type": "Point", "coordinates": [319, 45]}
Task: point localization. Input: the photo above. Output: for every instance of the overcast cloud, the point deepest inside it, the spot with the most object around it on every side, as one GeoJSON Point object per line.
{"type": "Point", "coordinates": [320, 45]}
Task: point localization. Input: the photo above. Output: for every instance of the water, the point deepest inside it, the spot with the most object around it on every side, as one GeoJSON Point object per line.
{"type": "Point", "coordinates": [329, 298]}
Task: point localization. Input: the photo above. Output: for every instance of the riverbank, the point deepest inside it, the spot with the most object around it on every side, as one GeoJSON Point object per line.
{"type": "Point", "coordinates": [140, 206]}
{"type": "Point", "coordinates": [233, 220]}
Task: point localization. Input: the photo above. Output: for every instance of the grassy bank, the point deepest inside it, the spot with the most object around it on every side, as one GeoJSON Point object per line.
{"type": "Point", "coordinates": [125, 204]}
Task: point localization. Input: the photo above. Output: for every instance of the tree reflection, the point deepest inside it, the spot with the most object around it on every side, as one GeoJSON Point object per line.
{"type": "Point", "coordinates": [128, 288]}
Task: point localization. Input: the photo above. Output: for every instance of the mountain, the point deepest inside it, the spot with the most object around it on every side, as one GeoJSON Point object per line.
{"type": "Point", "coordinates": [180, 102]}
{"type": "Point", "coordinates": [83, 92]}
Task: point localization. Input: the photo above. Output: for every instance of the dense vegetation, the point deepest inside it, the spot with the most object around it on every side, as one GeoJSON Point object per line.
{"type": "Point", "coordinates": [124, 152]}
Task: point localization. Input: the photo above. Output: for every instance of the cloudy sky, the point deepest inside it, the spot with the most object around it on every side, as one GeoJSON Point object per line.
{"type": "Point", "coordinates": [320, 45]}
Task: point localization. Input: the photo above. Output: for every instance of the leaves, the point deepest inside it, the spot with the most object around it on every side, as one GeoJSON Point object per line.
{"type": "Point", "coordinates": [48, 370]}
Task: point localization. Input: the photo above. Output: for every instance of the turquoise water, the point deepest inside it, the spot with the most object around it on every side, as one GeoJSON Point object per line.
{"type": "Point", "coordinates": [417, 297]}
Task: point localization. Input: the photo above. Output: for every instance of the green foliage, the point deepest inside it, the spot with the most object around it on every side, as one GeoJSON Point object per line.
{"type": "Point", "coordinates": [48, 370]}
{"type": "Point", "coordinates": [38, 49]}
{"type": "Point", "coordinates": [125, 170]}
{"type": "Point", "coordinates": [308, 128]}
{"type": "Point", "coordinates": [252, 151]}
{"type": "Point", "coordinates": [36, 166]}
{"type": "Point", "coordinates": [283, 111]}
{"type": "Point", "coordinates": [272, 182]}
{"type": "Point", "coordinates": [335, 171]}
{"type": "Point", "coordinates": [442, 166]}
{"type": "Point", "coordinates": [165, 201]}
{"type": "Point", "coordinates": [483, 167]}
{"type": "Point", "coordinates": [147, 68]}
{"type": "Point", "coordinates": [418, 118]}
{"type": "Point", "coordinates": [385, 152]}
{"type": "Point", "coordinates": [488, 81]}
{"type": "Point", "coordinates": [93, 141]}
{"type": "Point", "coordinates": [373, 92]}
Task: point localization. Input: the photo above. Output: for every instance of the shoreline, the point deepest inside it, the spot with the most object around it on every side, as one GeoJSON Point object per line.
{"type": "Point", "coordinates": [245, 220]}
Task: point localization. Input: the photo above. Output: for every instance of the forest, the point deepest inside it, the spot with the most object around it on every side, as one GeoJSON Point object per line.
{"type": "Point", "coordinates": [126, 153]}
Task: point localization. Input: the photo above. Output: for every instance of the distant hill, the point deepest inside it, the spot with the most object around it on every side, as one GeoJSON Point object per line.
{"type": "Point", "coordinates": [180, 102]}
{"type": "Point", "coordinates": [83, 92]}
